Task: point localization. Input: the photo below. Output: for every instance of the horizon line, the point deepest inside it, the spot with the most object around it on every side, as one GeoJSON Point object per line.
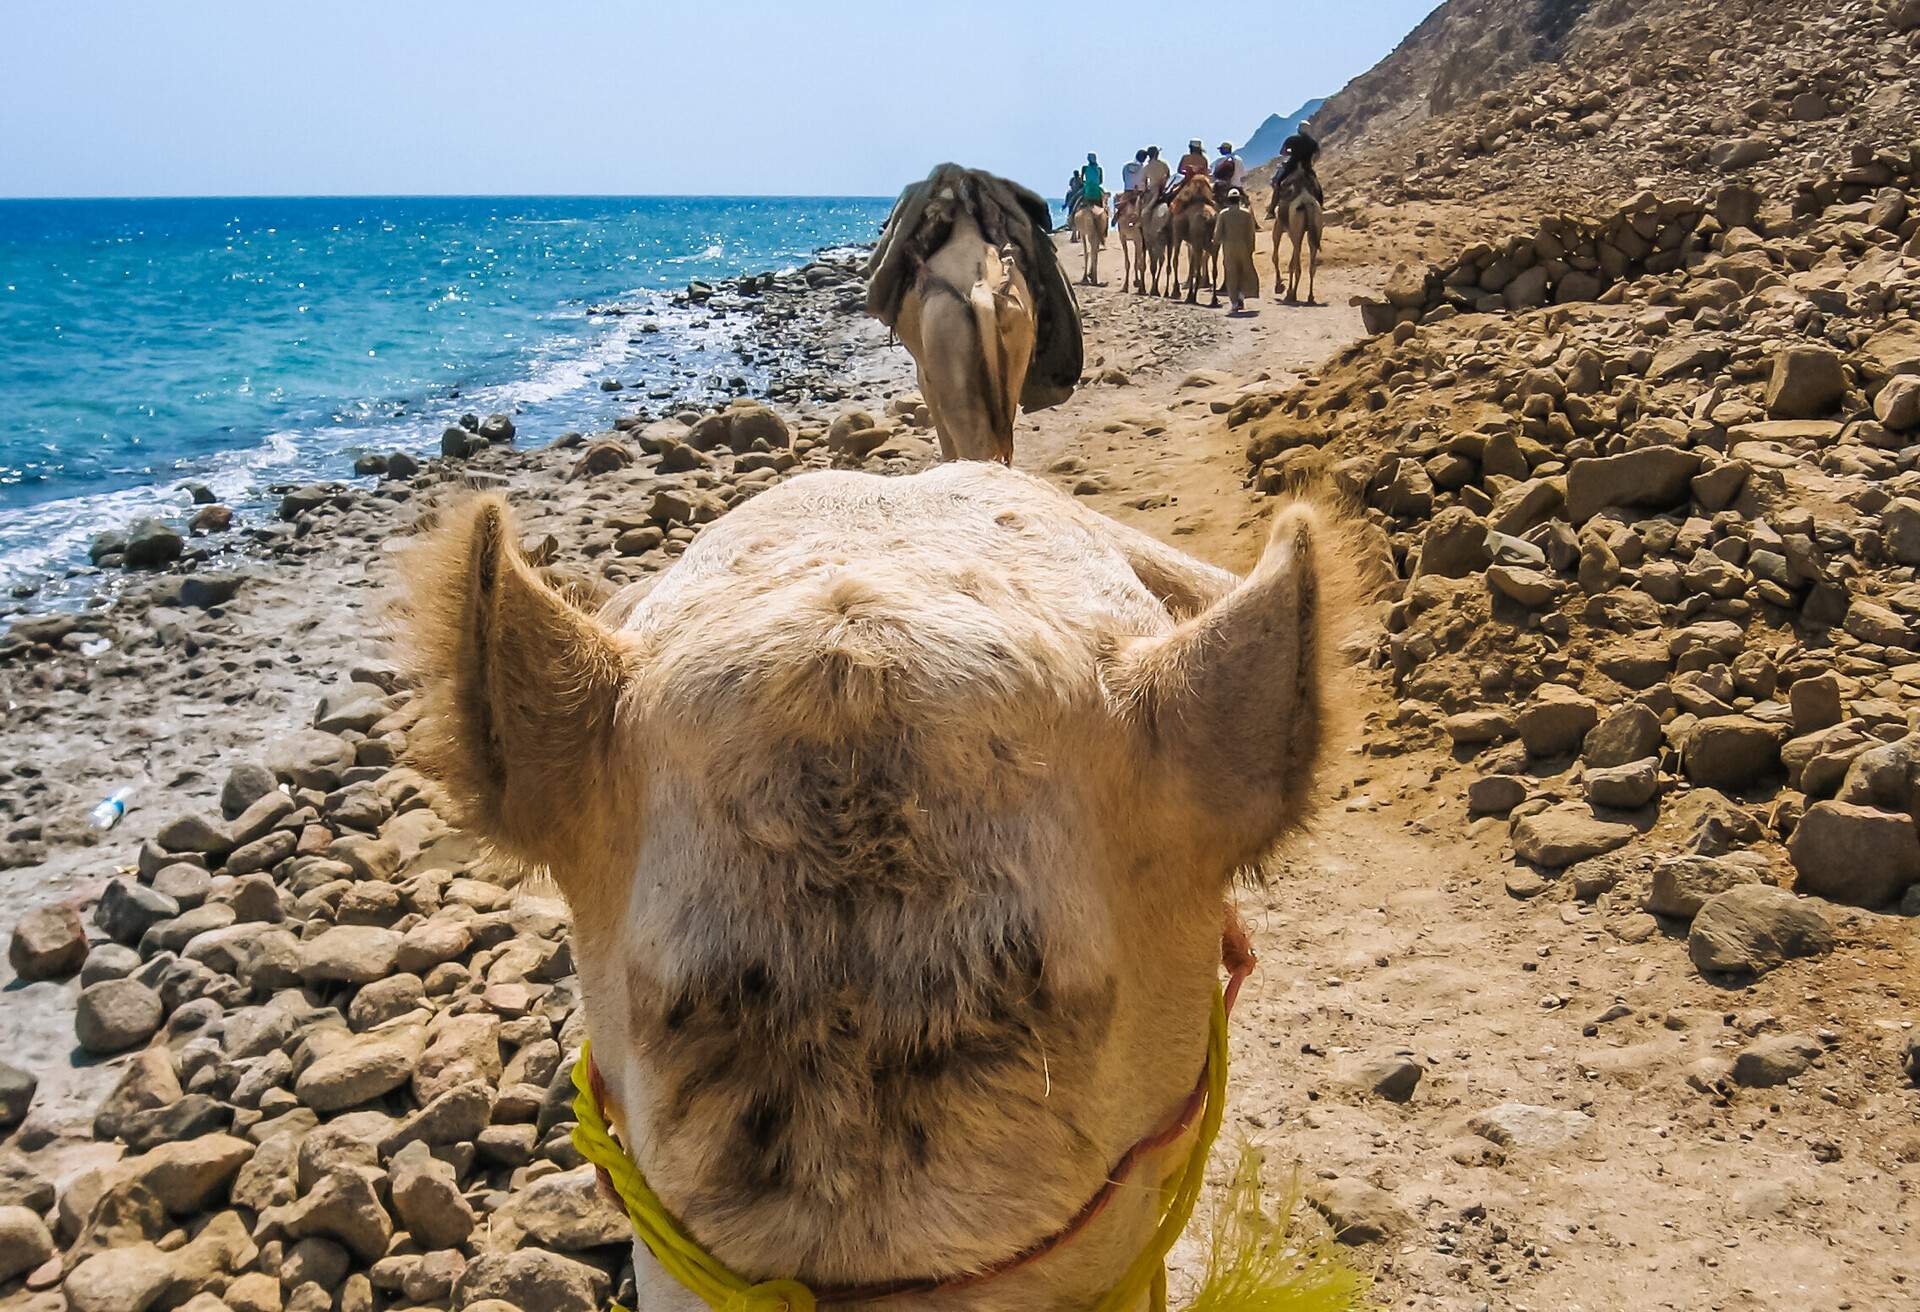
{"type": "Point", "coordinates": [462, 195]}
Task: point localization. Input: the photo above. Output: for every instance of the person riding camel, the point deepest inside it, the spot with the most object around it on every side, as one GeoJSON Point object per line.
{"type": "Point", "coordinates": [1092, 181]}
{"type": "Point", "coordinates": [1296, 158]}
{"type": "Point", "coordinates": [1191, 163]}
{"type": "Point", "coordinates": [1130, 171]}
{"type": "Point", "coordinates": [1228, 173]}
{"type": "Point", "coordinates": [1154, 173]}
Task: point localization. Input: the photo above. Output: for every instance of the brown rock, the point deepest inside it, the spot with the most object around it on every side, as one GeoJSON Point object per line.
{"type": "Point", "coordinates": [1654, 477]}
{"type": "Point", "coordinates": [1750, 929]}
{"type": "Point", "coordinates": [1631, 733]}
{"type": "Point", "coordinates": [48, 943]}
{"type": "Point", "coordinates": [1815, 702]}
{"type": "Point", "coordinates": [129, 1279]}
{"type": "Point", "coordinates": [191, 1175]}
{"type": "Point", "coordinates": [1455, 544]}
{"type": "Point", "coordinates": [1556, 720]}
{"type": "Point", "coordinates": [427, 1198]}
{"type": "Point", "coordinates": [358, 1072]}
{"type": "Point", "coordinates": [530, 1278]}
{"type": "Point", "coordinates": [350, 954]}
{"type": "Point", "coordinates": [116, 1014]}
{"type": "Point", "coordinates": [25, 1242]}
{"type": "Point", "coordinates": [1730, 752]}
{"type": "Point", "coordinates": [1564, 834]}
{"type": "Point", "coordinates": [1358, 1212]}
{"type": "Point", "coordinates": [345, 1207]}
{"type": "Point", "coordinates": [1855, 854]}
{"type": "Point", "coordinates": [1807, 382]}
{"type": "Point", "coordinates": [1682, 884]}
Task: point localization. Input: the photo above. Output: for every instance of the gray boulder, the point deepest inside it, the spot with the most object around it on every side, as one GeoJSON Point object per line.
{"type": "Point", "coordinates": [1750, 929]}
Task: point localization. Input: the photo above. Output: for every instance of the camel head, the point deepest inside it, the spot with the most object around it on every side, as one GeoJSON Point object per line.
{"type": "Point", "coordinates": [896, 821]}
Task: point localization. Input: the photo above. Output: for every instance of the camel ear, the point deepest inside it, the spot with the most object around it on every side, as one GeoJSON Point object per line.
{"type": "Point", "coordinates": [1233, 702]}
{"type": "Point", "coordinates": [520, 693]}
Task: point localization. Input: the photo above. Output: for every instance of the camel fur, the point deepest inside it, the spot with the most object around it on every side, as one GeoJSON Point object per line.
{"type": "Point", "coordinates": [1300, 212]}
{"type": "Point", "coordinates": [1090, 225]}
{"type": "Point", "coordinates": [896, 820]}
{"type": "Point", "coordinates": [1127, 220]}
{"type": "Point", "coordinates": [1194, 212]}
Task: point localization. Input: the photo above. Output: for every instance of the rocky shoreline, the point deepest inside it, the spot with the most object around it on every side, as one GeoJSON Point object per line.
{"type": "Point", "coordinates": [283, 929]}
{"type": "Point", "coordinates": [794, 337]}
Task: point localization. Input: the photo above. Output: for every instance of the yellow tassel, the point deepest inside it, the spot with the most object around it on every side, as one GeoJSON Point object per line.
{"type": "Point", "coordinates": [1270, 1259]}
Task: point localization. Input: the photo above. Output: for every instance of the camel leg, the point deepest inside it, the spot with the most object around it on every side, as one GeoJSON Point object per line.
{"type": "Point", "coordinates": [950, 381]}
{"type": "Point", "coordinates": [1313, 264]}
{"type": "Point", "coordinates": [933, 412]}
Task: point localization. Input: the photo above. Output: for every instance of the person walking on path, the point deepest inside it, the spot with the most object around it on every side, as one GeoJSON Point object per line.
{"type": "Point", "coordinates": [1233, 233]}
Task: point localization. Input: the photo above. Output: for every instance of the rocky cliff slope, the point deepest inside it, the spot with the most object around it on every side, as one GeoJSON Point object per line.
{"type": "Point", "coordinates": [1570, 103]}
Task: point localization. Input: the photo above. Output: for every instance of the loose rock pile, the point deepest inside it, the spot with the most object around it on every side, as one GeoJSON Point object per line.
{"type": "Point", "coordinates": [1657, 559]}
{"type": "Point", "coordinates": [351, 1047]}
{"type": "Point", "coordinates": [1571, 259]}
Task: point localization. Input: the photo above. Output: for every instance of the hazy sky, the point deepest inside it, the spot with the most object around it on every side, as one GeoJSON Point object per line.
{"type": "Point", "coordinates": [855, 97]}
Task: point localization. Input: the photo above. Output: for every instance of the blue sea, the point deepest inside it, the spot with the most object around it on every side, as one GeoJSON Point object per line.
{"type": "Point", "coordinates": [243, 342]}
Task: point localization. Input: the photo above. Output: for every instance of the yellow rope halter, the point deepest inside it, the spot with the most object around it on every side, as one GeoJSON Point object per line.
{"type": "Point", "coordinates": [719, 1287]}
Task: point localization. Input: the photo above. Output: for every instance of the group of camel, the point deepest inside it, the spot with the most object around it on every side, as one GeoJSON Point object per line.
{"type": "Point", "coordinates": [968, 277]}
{"type": "Point", "coordinates": [1155, 230]}
{"type": "Point", "coordinates": [898, 820]}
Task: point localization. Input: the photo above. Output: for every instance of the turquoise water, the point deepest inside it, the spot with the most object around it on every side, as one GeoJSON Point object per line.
{"type": "Point", "coordinates": [242, 342]}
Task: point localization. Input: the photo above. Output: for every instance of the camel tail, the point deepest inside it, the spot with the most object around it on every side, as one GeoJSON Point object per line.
{"type": "Point", "coordinates": [984, 301]}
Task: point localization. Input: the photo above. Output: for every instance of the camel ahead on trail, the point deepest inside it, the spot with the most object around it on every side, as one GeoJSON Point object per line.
{"type": "Point", "coordinates": [967, 275]}
{"type": "Point", "coordinates": [1133, 242]}
{"type": "Point", "coordinates": [1194, 211]}
{"type": "Point", "coordinates": [1295, 208]}
{"type": "Point", "coordinates": [1090, 225]}
{"type": "Point", "coordinates": [1156, 232]}
{"type": "Point", "coordinates": [897, 820]}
